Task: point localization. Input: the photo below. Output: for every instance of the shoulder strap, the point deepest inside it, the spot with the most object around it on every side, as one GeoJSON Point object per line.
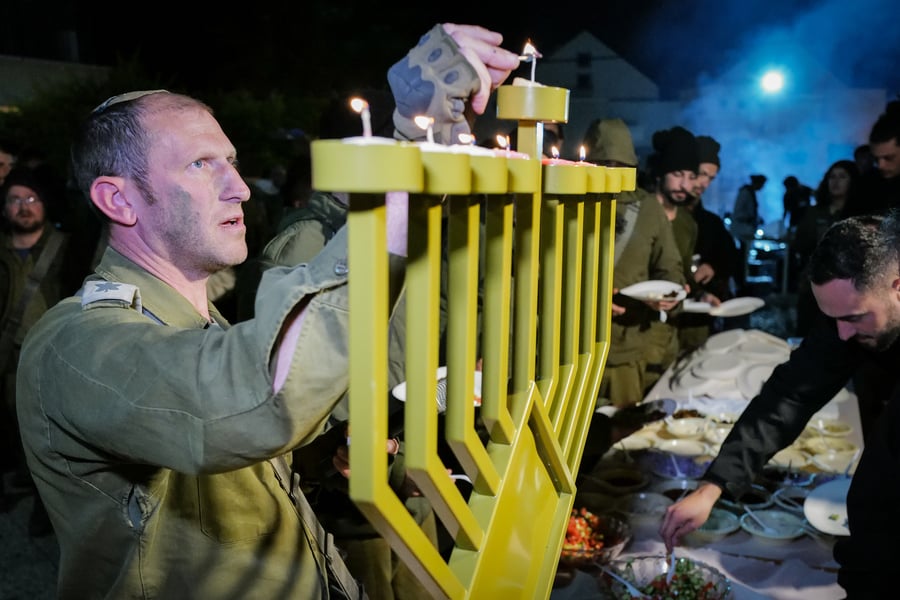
{"type": "Point", "coordinates": [11, 326]}
{"type": "Point", "coordinates": [338, 574]}
{"type": "Point", "coordinates": [630, 215]}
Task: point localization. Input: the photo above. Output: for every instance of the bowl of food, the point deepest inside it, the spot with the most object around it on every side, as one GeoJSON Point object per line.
{"type": "Point", "coordinates": [773, 526]}
{"type": "Point", "coordinates": [593, 538]}
{"type": "Point", "coordinates": [691, 428]}
{"type": "Point", "coordinates": [790, 457]}
{"type": "Point", "coordinates": [833, 445]}
{"type": "Point", "coordinates": [692, 579]}
{"type": "Point", "coordinates": [674, 489]}
{"type": "Point", "coordinates": [830, 427]}
{"type": "Point", "coordinates": [617, 481]}
{"type": "Point", "coordinates": [716, 432]}
{"type": "Point", "coordinates": [720, 523]}
{"type": "Point", "coordinates": [643, 507]}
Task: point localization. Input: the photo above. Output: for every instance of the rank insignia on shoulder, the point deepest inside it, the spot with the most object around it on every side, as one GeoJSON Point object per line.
{"type": "Point", "coordinates": [111, 292]}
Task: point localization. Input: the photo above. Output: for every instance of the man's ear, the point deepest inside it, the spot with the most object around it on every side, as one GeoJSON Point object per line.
{"type": "Point", "coordinates": [110, 197]}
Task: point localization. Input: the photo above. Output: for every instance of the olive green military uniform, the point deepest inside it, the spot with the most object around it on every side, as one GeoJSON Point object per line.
{"type": "Point", "coordinates": [149, 442]}
{"type": "Point", "coordinates": [664, 350]}
{"type": "Point", "coordinates": [649, 253]}
{"type": "Point", "coordinates": [368, 555]}
{"type": "Point", "coordinates": [14, 275]}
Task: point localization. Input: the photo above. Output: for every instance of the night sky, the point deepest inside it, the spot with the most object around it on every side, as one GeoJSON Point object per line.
{"type": "Point", "coordinates": [323, 44]}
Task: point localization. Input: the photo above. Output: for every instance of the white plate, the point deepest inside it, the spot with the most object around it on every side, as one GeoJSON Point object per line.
{"type": "Point", "coordinates": [737, 307]}
{"type": "Point", "coordinates": [655, 290]}
{"type": "Point", "coordinates": [725, 341]}
{"type": "Point", "coordinates": [826, 507]}
{"type": "Point", "coordinates": [764, 350]}
{"type": "Point", "coordinates": [719, 366]}
{"type": "Point", "coordinates": [694, 306]}
{"type": "Point", "coordinates": [752, 378]}
{"type": "Point", "coordinates": [399, 390]}
{"type": "Point", "coordinates": [768, 337]}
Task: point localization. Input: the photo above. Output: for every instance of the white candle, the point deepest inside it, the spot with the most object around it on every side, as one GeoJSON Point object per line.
{"type": "Point", "coordinates": [530, 53]}
{"type": "Point", "coordinates": [362, 107]}
{"type": "Point", "coordinates": [426, 123]}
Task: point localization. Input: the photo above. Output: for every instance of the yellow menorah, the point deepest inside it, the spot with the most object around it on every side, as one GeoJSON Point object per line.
{"type": "Point", "coordinates": [535, 243]}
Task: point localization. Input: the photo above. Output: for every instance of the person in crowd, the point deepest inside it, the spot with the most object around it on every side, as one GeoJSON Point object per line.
{"type": "Point", "coordinates": [644, 249]}
{"type": "Point", "coordinates": [7, 159]}
{"type": "Point", "coordinates": [157, 440]}
{"type": "Point", "coordinates": [34, 275]}
{"type": "Point", "coordinates": [796, 201]}
{"type": "Point", "coordinates": [880, 188]}
{"type": "Point", "coordinates": [854, 276]}
{"type": "Point", "coordinates": [834, 195]}
{"type": "Point", "coordinates": [865, 162]}
{"type": "Point", "coordinates": [745, 221]}
{"type": "Point", "coordinates": [717, 257]}
{"type": "Point", "coordinates": [673, 165]}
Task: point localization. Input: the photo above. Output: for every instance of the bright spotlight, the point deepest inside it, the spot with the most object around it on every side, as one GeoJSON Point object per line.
{"type": "Point", "coordinates": [772, 82]}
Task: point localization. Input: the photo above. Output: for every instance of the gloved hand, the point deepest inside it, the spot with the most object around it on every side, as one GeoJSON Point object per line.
{"type": "Point", "coordinates": [450, 65]}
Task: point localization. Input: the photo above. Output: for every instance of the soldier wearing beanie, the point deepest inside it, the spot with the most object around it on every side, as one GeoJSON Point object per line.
{"type": "Point", "coordinates": [673, 167]}
{"type": "Point", "coordinates": [718, 258]}
{"type": "Point", "coordinates": [644, 250]}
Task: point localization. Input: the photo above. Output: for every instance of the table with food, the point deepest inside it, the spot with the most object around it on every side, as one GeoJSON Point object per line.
{"type": "Point", "coordinates": [776, 542]}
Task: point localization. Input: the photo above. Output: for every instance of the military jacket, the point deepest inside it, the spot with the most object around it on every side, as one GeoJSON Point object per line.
{"type": "Point", "coordinates": [149, 442]}
{"type": "Point", "coordinates": [650, 253]}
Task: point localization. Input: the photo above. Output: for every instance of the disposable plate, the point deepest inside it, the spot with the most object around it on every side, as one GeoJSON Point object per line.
{"type": "Point", "coordinates": [826, 507]}
{"type": "Point", "coordinates": [655, 290]}
{"type": "Point", "coordinates": [737, 307]}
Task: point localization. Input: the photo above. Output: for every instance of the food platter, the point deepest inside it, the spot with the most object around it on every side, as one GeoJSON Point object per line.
{"type": "Point", "coordinates": [655, 290]}
{"type": "Point", "coordinates": [737, 307]}
{"type": "Point", "coordinates": [826, 507]}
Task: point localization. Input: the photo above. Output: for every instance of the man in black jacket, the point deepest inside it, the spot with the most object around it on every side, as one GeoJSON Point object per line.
{"type": "Point", "coordinates": [855, 276]}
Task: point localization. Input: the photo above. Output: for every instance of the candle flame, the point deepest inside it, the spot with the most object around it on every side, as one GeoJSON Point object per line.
{"type": "Point", "coordinates": [554, 152]}
{"type": "Point", "coordinates": [529, 52]}
{"type": "Point", "coordinates": [502, 141]}
{"type": "Point", "coordinates": [424, 122]}
{"type": "Point", "coordinates": [582, 153]}
{"type": "Point", "coordinates": [358, 104]}
{"type": "Point", "coordinates": [466, 138]}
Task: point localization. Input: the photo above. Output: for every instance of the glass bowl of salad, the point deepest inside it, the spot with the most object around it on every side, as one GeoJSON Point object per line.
{"type": "Point", "coordinates": [593, 538]}
{"type": "Point", "coordinates": [693, 579]}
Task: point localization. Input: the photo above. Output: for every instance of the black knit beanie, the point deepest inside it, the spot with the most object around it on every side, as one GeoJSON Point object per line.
{"type": "Point", "coordinates": [676, 150]}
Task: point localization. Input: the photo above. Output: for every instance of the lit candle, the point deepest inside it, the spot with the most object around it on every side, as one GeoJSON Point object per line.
{"type": "Point", "coordinates": [582, 153]}
{"type": "Point", "coordinates": [362, 107]}
{"type": "Point", "coordinates": [467, 139]}
{"type": "Point", "coordinates": [555, 159]}
{"type": "Point", "coordinates": [503, 148]}
{"type": "Point", "coordinates": [530, 54]}
{"type": "Point", "coordinates": [426, 123]}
